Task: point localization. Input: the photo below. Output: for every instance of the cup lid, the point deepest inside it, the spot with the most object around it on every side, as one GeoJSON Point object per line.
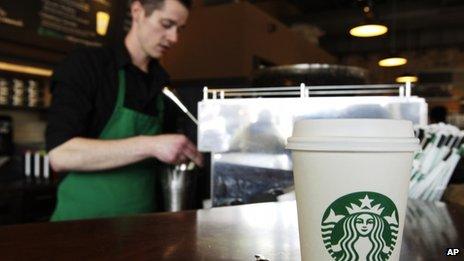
{"type": "Point", "coordinates": [353, 135]}
{"type": "Point", "coordinates": [365, 128]}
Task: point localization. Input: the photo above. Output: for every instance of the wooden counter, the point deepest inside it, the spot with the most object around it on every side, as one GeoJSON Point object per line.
{"type": "Point", "coordinates": [227, 233]}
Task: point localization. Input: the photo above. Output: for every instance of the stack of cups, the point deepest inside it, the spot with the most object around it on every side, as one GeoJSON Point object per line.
{"type": "Point", "coordinates": [351, 184]}
{"type": "Point", "coordinates": [4, 92]}
{"type": "Point", "coordinates": [33, 94]}
{"type": "Point", "coordinates": [18, 93]}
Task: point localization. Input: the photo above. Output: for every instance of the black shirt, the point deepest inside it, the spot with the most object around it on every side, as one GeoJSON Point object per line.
{"type": "Point", "coordinates": [85, 87]}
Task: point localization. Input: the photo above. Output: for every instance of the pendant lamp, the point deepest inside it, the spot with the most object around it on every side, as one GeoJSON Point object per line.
{"type": "Point", "coordinates": [370, 27]}
{"type": "Point", "coordinates": [393, 59]}
{"type": "Point", "coordinates": [407, 77]}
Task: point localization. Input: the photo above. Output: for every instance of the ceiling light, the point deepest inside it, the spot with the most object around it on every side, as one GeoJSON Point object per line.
{"type": "Point", "coordinates": [407, 78]}
{"type": "Point", "coordinates": [392, 61]}
{"type": "Point", "coordinates": [370, 27]}
{"type": "Point", "coordinates": [368, 30]}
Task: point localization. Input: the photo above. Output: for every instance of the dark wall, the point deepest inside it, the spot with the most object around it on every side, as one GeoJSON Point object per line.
{"type": "Point", "coordinates": [43, 32]}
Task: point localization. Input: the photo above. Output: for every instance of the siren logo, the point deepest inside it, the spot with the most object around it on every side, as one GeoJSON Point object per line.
{"type": "Point", "coordinates": [360, 226]}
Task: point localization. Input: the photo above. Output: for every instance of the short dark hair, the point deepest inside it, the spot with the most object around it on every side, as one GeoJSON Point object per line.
{"type": "Point", "coordinates": [152, 5]}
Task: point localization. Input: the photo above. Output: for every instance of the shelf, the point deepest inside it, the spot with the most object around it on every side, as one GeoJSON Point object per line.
{"type": "Point", "coordinates": [23, 108]}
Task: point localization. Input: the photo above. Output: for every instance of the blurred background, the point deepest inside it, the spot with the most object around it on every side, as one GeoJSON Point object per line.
{"type": "Point", "coordinates": [226, 44]}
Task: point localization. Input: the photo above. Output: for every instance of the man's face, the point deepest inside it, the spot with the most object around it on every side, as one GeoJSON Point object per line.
{"type": "Point", "coordinates": [159, 31]}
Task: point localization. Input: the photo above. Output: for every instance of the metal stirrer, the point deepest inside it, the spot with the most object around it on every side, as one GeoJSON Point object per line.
{"type": "Point", "coordinates": [174, 98]}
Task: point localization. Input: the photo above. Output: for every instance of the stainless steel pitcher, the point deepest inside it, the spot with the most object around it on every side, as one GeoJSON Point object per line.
{"type": "Point", "coordinates": [178, 183]}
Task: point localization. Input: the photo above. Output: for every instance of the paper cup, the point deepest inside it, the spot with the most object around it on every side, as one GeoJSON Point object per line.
{"type": "Point", "coordinates": [351, 184]}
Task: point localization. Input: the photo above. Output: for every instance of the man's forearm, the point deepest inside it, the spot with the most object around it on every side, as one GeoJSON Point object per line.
{"type": "Point", "coordinates": [84, 154]}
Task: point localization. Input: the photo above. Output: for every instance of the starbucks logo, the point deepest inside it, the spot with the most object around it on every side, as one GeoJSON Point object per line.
{"type": "Point", "coordinates": [360, 226]}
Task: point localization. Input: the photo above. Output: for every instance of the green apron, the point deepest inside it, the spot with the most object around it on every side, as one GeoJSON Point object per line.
{"type": "Point", "coordinates": [122, 191]}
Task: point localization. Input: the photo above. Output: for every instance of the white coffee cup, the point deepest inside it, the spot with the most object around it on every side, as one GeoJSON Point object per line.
{"type": "Point", "coordinates": [351, 183]}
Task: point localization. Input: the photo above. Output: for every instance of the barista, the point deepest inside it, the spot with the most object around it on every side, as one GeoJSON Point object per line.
{"type": "Point", "coordinates": [108, 115]}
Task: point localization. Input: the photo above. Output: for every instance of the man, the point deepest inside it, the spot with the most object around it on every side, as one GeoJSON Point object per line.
{"type": "Point", "coordinates": [107, 116]}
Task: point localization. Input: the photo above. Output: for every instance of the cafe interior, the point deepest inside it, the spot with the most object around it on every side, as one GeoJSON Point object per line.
{"type": "Point", "coordinates": [242, 73]}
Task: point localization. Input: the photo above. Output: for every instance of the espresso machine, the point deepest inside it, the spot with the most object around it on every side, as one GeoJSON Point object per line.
{"type": "Point", "coordinates": [245, 129]}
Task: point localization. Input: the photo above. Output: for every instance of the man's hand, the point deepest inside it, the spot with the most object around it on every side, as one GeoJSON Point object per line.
{"type": "Point", "coordinates": [173, 149]}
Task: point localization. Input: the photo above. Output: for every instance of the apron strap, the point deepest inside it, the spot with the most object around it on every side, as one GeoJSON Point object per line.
{"type": "Point", "coordinates": [121, 89]}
